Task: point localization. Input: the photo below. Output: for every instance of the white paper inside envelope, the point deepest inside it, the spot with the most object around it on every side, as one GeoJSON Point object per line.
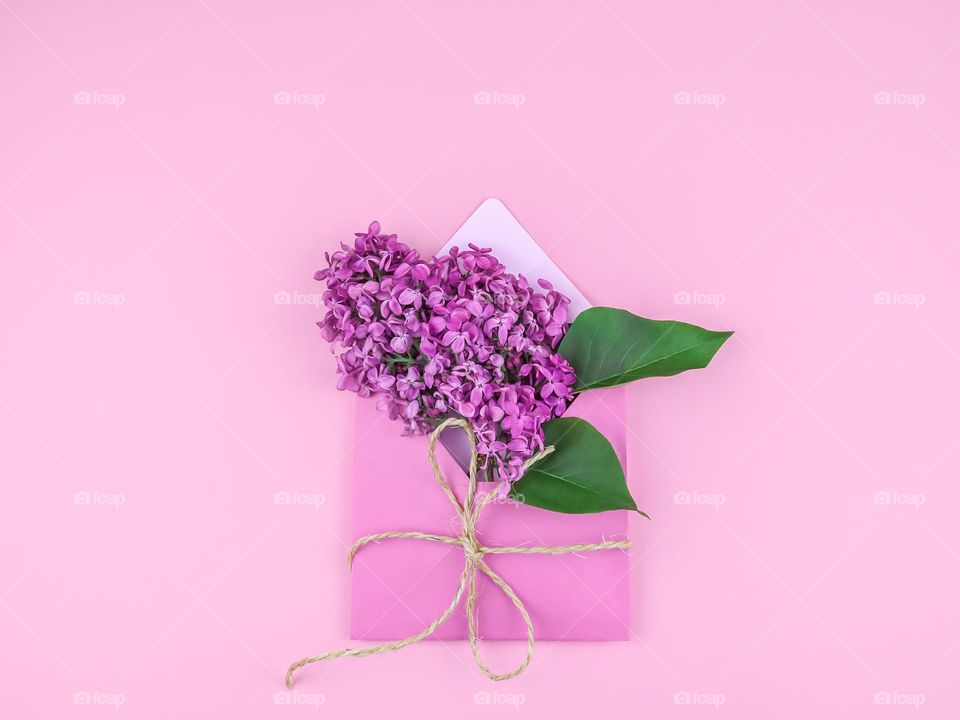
{"type": "Point", "coordinates": [493, 226]}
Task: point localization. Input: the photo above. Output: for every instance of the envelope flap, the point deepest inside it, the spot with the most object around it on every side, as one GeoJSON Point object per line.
{"type": "Point", "coordinates": [493, 226]}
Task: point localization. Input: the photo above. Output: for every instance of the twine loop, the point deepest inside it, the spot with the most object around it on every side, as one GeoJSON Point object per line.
{"type": "Point", "coordinates": [468, 513]}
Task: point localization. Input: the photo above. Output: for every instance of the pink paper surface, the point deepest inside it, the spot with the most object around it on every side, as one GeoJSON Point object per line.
{"type": "Point", "coordinates": [399, 586]}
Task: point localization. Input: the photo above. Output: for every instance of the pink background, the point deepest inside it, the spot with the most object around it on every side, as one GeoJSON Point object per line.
{"type": "Point", "coordinates": [785, 169]}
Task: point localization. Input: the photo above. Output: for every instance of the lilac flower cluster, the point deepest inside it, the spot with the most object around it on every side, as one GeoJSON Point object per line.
{"type": "Point", "coordinates": [449, 336]}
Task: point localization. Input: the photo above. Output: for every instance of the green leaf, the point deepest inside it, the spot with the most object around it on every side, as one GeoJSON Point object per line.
{"type": "Point", "coordinates": [607, 346]}
{"type": "Point", "coordinates": [582, 475]}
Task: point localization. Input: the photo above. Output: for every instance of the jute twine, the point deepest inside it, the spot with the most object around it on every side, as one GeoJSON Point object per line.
{"type": "Point", "coordinates": [467, 540]}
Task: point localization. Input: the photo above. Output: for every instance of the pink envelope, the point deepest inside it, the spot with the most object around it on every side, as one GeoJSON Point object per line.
{"type": "Point", "coordinates": [401, 585]}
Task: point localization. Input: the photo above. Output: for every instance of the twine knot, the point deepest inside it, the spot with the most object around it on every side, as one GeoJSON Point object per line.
{"type": "Point", "coordinates": [471, 547]}
{"type": "Point", "coordinates": [468, 512]}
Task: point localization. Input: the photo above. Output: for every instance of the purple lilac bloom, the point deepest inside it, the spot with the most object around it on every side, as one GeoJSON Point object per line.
{"type": "Point", "coordinates": [451, 336]}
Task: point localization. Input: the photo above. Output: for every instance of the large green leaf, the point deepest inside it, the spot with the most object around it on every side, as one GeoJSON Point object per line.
{"type": "Point", "coordinates": [582, 475]}
{"type": "Point", "coordinates": [607, 346]}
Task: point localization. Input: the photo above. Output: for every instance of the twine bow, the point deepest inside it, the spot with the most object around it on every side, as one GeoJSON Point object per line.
{"type": "Point", "coordinates": [473, 551]}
